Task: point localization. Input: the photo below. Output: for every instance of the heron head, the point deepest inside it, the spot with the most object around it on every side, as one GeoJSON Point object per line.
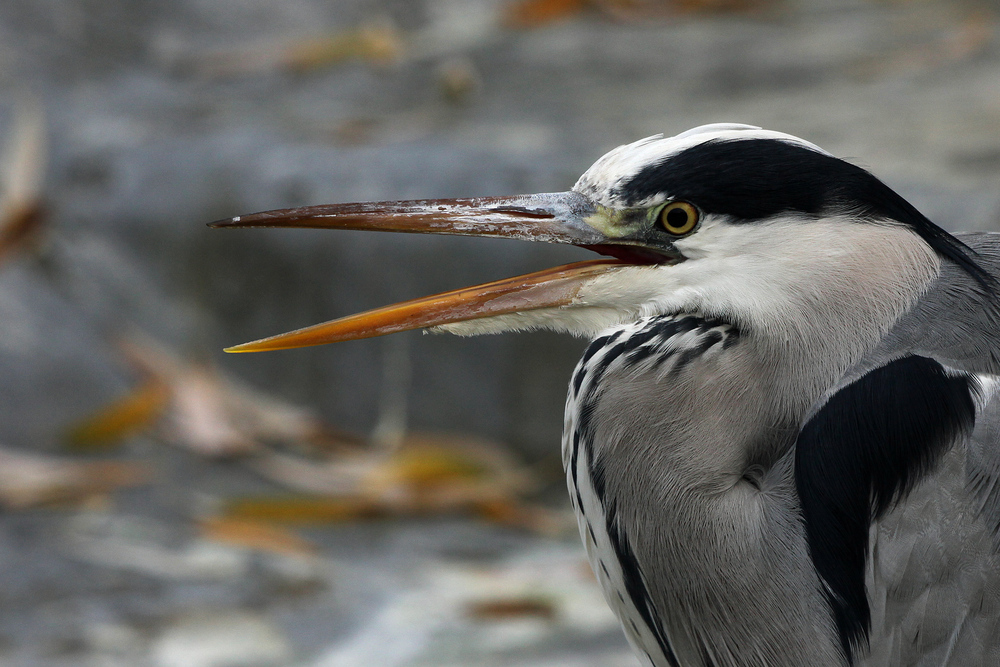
{"type": "Point", "coordinates": [731, 221]}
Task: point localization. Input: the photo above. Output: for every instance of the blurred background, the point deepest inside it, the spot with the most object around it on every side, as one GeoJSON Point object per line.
{"type": "Point", "coordinates": [396, 501]}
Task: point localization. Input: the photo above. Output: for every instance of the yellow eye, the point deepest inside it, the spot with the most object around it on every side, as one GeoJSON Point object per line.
{"type": "Point", "coordinates": [678, 218]}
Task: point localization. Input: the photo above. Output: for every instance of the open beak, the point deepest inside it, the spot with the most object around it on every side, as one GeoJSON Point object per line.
{"type": "Point", "coordinates": [552, 218]}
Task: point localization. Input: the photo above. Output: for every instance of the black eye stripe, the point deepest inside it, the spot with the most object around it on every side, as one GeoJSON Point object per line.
{"type": "Point", "coordinates": [753, 179]}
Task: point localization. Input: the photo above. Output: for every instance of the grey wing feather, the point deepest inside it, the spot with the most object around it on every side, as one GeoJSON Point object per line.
{"type": "Point", "coordinates": [983, 464]}
{"type": "Point", "coordinates": [934, 577]}
{"type": "Point", "coordinates": [957, 321]}
{"type": "Point", "coordinates": [934, 565]}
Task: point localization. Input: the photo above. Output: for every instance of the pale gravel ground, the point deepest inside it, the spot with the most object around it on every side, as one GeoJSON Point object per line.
{"type": "Point", "coordinates": [143, 153]}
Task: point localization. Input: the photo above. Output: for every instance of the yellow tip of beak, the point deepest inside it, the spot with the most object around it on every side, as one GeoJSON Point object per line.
{"type": "Point", "coordinates": [244, 347]}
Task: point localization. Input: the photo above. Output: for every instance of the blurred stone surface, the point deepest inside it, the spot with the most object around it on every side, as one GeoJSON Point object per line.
{"type": "Point", "coordinates": [221, 639]}
{"type": "Point", "coordinates": [145, 149]}
{"type": "Point", "coordinates": [147, 145]}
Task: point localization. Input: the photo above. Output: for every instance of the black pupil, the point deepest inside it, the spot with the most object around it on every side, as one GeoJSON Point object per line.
{"type": "Point", "coordinates": [677, 218]}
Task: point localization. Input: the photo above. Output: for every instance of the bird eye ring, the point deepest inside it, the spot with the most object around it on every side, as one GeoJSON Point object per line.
{"type": "Point", "coordinates": [678, 218]}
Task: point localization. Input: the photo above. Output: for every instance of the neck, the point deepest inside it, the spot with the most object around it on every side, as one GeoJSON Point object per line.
{"type": "Point", "coordinates": [681, 435]}
{"type": "Point", "coordinates": [676, 516]}
{"type": "Point", "coordinates": [813, 302]}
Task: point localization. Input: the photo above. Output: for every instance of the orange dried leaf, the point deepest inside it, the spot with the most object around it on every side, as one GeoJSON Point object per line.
{"type": "Point", "coordinates": [129, 415]}
{"type": "Point", "coordinates": [640, 10]}
{"type": "Point", "coordinates": [377, 43]}
{"type": "Point", "coordinates": [21, 227]}
{"type": "Point", "coordinates": [720, 6]}
{"type": "Point", "coordinates": [328, 439]}
{"type": "Point", "coordinates": [27, 480]}
{"type": "Point", "coordinates": [304, 509]}
{"type": "Point", "coordinates": [434, 463]}
{"type": "Point", "coordinates": [254, 534]}
{"type": "Point", "coordinates": [427, 475]}
{"type": "Point", "coordinates": [423, 466]}
{"type": "Point", "coordinates": [513, 608]}
{"type": "Point", "coordinates": [535, 13]}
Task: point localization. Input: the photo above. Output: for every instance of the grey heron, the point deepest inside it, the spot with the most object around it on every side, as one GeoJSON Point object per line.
{"type": "Point", "coordinates": [781, 443]}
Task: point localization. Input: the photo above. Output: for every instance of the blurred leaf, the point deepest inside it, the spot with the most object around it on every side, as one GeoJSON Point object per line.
{"type": "Point", "coordinates": [202, 419]}
{"type": "Point", "coordinates": [331, 477]}
{"type": "Point", "coordinates": [28, 480]}
{"type": "Point", "coordinates": [721, 6]}
{"type": "Point", "coordinates": [530, 517]}
{"type": "Point", "coordinates": [254, 534]}
{"type": "Point", "coordinates": [426, 471]}
{"type": "Point", "coordinates": [458, 80]}
{"type": "Point", "coordinates": [303, 509]}
{"type": "Point", "coordinates": [428, 475]}
{"type": "Point", "coordinates": [971, 37]}
{"type": "Point", "coordinates": [22, 175]}
{"type": "Point", "coordinates": [536, 13]}
{"type": "Point", "coordinates": [20, 228]}
{"type": "Point", "coordinates": [423, 465]}
{"type": "Point", "coordinates": [942, 38]}
{"type": "Point", "coordinates": [378, 43]}
{"type": "Point", "coordinates": [512, 608]}
{"type": "Point", "coordinates": [433, 459]}
{"type": "Point", "coordinates": [129, 415]}
{"type": "Point", "coordinates": [639, 10]}
{"type": "Point", "coordinates": [217, 416]}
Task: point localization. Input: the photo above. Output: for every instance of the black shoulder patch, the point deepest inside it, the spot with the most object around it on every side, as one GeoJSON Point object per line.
{"type": "Point", "coordinates": [859, 455]}
{"type": "Point", "coordinates": [753, 179]}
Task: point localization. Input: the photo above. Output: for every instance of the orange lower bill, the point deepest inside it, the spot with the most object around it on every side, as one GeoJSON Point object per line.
{"type": "Point", "coordinates": [550, 288]}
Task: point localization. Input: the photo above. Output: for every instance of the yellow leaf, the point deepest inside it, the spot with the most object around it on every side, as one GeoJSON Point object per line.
{"type": "Point", "coordinates": [379, 44]}
{"type": "Point", "coordinates": [129, 415]}
{"type": "Point", "coordinates": [253, 534]}
{"type": "Point", "coordinates": [426, 466]}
